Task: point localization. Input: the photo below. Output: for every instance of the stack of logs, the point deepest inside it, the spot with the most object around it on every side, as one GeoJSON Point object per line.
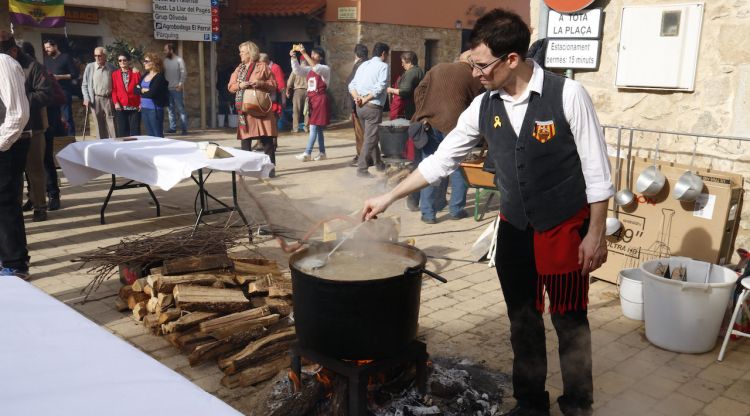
{"type": "Point", "coordinates": [213, 308]}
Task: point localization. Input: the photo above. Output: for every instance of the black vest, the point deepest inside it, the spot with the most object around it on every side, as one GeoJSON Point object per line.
{"type": "Point", "coordinates": [538, 174]}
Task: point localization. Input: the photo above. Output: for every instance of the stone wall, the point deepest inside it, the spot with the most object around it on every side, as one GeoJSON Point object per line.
{"type": "Point", "coordinates": [339, 38]}
{"type": "Point", "coordinates": [719, 104]}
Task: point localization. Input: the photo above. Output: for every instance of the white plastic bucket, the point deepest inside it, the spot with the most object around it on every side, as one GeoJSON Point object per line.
{"type": "Point", "coordinates": [686, 316]}
{"type": "Point", "coordinates": [220, 120]}
{"type": "Point", "coordinates": [232, 121]}
{"type": "Point", "coordinates": [631, 293]}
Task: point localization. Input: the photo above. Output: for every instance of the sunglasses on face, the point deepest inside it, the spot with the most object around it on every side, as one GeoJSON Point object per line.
{"type": "Point", "coordinates": [146, 61]}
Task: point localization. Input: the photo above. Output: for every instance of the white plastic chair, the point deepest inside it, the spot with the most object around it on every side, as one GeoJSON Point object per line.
{"type": "Point", "coordinates": [741, 305]}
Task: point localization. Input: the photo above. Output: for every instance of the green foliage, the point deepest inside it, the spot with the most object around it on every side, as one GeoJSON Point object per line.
{"type": "Point", "coordinates": [113, 50]}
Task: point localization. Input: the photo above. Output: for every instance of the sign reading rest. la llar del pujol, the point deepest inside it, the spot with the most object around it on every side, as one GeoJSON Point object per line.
{"type": "Point", "coordinates": [567, 6]}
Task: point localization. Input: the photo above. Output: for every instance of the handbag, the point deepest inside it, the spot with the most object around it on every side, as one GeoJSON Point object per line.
{"type": "Point", "coordinates": [256, 103]}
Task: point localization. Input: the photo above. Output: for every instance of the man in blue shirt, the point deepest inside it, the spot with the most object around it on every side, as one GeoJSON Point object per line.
{"type": "Point", "coordinates": [368, 89]}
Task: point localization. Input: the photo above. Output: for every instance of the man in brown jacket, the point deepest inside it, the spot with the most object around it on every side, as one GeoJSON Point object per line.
{"type": "Point", "coordinates": [361, 53]}
{"type": "Point", "coordinates": [444, 93]}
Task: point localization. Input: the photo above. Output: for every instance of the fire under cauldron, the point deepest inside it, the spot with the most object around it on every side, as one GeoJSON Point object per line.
{"type": "Point", "coordinates": [358, 319]}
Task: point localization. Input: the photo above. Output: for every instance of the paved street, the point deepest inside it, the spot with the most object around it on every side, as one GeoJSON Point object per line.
{"type": "Point", "coordinates": [463, 318]}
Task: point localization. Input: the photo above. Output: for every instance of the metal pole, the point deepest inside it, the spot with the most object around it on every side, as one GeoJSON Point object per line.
{"type": "Point", "coordinates": [212, 81]}
{"type": "Point", "coordinates": [202, 86]}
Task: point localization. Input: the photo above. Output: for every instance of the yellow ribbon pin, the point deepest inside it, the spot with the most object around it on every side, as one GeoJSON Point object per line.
{"type": "Point", "coordinates": [497, 122]}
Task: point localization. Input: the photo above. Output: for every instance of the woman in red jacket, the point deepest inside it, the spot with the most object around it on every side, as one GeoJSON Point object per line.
{"type": "Point", "coordinates": [127, 102]}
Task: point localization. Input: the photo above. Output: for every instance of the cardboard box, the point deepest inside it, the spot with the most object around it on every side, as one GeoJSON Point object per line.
{"type": "Point", "coordinates": [661, 225]}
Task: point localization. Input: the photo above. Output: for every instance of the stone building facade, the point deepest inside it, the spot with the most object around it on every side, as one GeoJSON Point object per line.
{"type": "Point", "coordinates": [719, 104]}
{"type": "Point", "coordinates": [341, 37]}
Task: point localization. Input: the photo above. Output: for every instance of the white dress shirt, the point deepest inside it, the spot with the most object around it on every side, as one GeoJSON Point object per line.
{"type": "Point", "coordinates": [579, 112]}
{"type": "Point", "coordinates": [13, 96]}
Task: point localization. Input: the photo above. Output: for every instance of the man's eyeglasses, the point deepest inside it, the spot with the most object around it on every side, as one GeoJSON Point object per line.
{"type": "Point", "coordinates": [481, 68]}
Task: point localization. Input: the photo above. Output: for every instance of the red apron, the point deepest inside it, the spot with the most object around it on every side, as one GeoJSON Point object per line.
{"type": "Point", "coordinates": [318, 100]}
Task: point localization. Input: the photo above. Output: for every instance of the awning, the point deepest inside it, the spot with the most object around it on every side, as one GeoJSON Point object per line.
{"type": "Point", "coordinates": [280, 8]}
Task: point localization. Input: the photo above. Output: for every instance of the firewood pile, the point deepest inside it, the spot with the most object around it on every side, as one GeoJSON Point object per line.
{"type": "Point", "coordinates": [235, 312]}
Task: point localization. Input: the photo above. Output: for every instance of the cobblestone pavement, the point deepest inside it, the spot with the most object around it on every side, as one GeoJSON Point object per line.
{"type": "Point", "coordinates": [463, 318]}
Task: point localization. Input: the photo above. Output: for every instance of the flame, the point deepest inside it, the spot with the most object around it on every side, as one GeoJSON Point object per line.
{"type": "Point", "coordinates": [296, 383]}
{"type": "Point", "coordinates": [325, 378]}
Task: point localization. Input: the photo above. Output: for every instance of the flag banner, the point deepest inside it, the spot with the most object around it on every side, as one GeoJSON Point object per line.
{"type": "Point", "coordinates": [37, 13]}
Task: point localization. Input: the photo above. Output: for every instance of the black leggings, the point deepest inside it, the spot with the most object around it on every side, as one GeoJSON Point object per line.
{"type": "Point", "coordinates": [269, 147]}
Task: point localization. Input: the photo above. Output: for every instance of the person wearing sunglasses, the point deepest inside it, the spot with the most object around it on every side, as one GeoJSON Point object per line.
{"type": "Point", "coordinates": [96, 87]}
{"type": "Point", "coordinates": [552, 170]}
{"type": "Point", "coordinates": [127, 102]}
{"type": "Point", "coordinates": [154, 91]}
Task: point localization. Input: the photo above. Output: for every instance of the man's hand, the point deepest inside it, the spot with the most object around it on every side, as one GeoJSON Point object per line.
{"type": "Point", "coordinates": [375, 206]}
{"type": "Point", "coordinates": [178, 87]}
{"type": "Point", "coordinates": [592, 253]}
{"type": "Point", "coordinates": [359, 101]}
{"type": "Point", "coordinates": [85, 103]}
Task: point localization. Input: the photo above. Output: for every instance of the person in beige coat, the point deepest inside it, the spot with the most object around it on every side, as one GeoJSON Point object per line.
{"type": "Point", "coordinates": [251, 73]}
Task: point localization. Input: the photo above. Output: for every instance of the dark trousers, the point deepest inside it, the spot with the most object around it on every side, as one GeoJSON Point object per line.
{"type": "Point", "coordinates": [128, 123]}
{"type": "Point", "coordinates": [370, 116]}
{"type": "Point", "coordinates": [55, 129]}
{"type": "Point", "coordinates": [518, 279]}
{"type": "Point", "coordinates": [67, 113]}
{"type": "Point", "coordinates": [13, 252]}
{"type": "Point", "coordinates": [267, 142]}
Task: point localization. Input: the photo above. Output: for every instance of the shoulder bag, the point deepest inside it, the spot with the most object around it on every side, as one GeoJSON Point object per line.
{"type": "Point", "coordinates": [255, 102]}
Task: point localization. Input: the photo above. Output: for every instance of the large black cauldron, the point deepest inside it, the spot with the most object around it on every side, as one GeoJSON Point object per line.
{"type": "Point", "coordinates": [357, 320]}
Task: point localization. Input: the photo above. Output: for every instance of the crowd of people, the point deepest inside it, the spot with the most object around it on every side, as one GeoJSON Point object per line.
{"type": "Point", "coordinates": [543, 137]}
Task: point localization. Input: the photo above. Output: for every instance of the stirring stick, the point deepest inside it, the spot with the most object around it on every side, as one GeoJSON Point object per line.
{"type": "Point", "coordinates": [354, 230]}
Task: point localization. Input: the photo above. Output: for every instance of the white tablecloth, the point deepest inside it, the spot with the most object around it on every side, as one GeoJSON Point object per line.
{"type": "Point", "coordinates": [153, 161]}
{"type": "Point", "coordinates": [54, 361]}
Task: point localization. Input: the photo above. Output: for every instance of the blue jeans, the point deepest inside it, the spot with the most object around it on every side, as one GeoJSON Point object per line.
{"type": "Point", "coordinates": [316, 132]}
{"type": "Point", "coordinates": [177, 104]}
{"type": "Point", "coordinates": [433, 198]}
{"type": "Point", "coordinates": [153, 120]}
{"type": "Point", "coordinates": [67, 113]}
{"type": "Point", "coordinates": [13, 252]}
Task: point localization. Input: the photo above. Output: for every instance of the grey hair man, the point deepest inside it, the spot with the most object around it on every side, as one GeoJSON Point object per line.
{"type": "Point", "coordinates": [176, 74]}
{"type": "Point", "coordinates": [96, 87]}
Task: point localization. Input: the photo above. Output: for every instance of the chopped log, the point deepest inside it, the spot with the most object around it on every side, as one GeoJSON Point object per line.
{"type": "Point", "coordinates": [199, 298]}
{"type": "Point", "coordinates": [255, 375]}
{"type": "Point", "coordinates": [190, 339]}
{"type": "Point", "coordinates": [282, 307]}
{"type": "Point", "coordinates": [121, 305]}
{"type": "Point", "coordinates": [211, 350]}
{"type": "Point", "coordinates": [139, 284]}
{"type": "Point", "coordinates": [163, 301]}
{"type": "Point", "coordinates": [218, 285]}
{"type": "Point", "coordinates": [257, 350]}
{"type": "Point", "coordinates": [196, 264]}
{"type": "Point", "coordinates": [256, 267]}
{"type": "Point", "coordinates": [166, 284]}
{"type": "Point", "coordinates": [210, 325]}
{"type": "Point", "coordinates": [169, 315]}
{"type": "Point", "coordinates": [277, 292]}
{"type": "Point", "coordinates": [192, 320]}
{"type": "Point", "coordinates": [125, 292]}
{"type": "Point", "coordinates": [151, 305]}
{"type": "Point", "coordinates": [139, 311]}
{"type": "Point", "coordinates": [136, 298]}
{"type": "Point", "coordinates": [220, 332]}
{"type": "Point", "coordinates": [154, 270]}
{"type": "Point", "coordinates": [149, 290]}
{"type": "Point", "coordinates": [151, 321]}
{"type": "Point", "coordinates": [151, 279]}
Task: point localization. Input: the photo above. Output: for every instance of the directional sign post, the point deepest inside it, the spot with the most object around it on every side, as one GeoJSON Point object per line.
{"type": "Point", "coordinates": [195, 20]}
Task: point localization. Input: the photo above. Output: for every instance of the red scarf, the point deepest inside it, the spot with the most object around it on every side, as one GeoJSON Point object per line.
{"type": "Point", "coordinates": [556, 259]}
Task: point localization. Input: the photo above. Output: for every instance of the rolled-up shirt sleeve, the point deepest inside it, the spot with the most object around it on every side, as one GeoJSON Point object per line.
{"type": "Point", "coordinates": [455, 146]}
{"type": "Point", "coordinates": [13, 96]}
{"type": "Point", "coordinates": [589, 138]}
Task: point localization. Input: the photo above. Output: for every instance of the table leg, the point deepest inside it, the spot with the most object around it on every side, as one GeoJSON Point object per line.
{"type": "Point", "coordinates": [127, 185]}
{"type": "Point", "coordinates": [106, 200]}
